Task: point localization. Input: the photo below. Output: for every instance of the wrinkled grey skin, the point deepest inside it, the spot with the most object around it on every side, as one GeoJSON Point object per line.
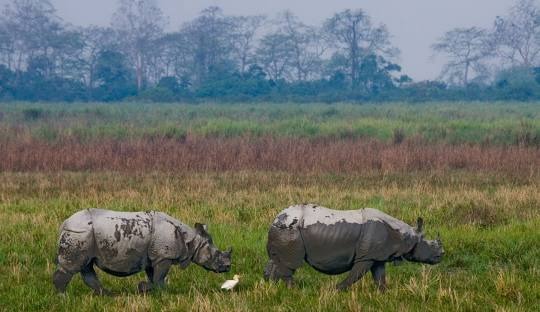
{"type": "Point", "coordinates": [334, 242]}
{"type": "Point", "coordinates": [125, 243]}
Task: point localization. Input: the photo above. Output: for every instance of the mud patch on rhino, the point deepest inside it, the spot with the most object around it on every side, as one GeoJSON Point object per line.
{"type": "Point", "coordinates": [108, 249]}
{"type": "Point", "coordinates": [130, 227]}
{"type": "Point", "coordinates": [283, 221]}
{"type": "Point", "coordinates": [117, 234]}
{"type": "Point", "coordinates": [70, 250]}
{"type": "Point", "coordinates": [64, 238]}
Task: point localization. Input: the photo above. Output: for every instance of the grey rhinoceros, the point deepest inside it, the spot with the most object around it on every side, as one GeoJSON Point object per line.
{"type": "Point", "coordinates": [334, 242]}
{"type": "Point", "coordinates": [124, 243]}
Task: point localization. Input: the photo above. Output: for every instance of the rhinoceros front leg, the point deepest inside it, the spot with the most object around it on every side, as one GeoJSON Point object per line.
{"type": "Point", "coordinates": [379, 276]}
{"type": "Point", "coordinates": [91, 280]}
{"type": "Point", "coordinates": [358, 270]}
{"type": "Point", "coordinates": [156, 276]}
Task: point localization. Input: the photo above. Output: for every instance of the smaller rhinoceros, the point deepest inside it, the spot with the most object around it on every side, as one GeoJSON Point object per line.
{"type": "Point", "coordinates": [125, 243]}
{"type": "Point", "coordinates": [334, 242]}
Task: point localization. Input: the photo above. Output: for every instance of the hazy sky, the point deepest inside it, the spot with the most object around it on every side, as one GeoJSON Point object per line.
{"type": "Point", "coordinates": [414, 24]}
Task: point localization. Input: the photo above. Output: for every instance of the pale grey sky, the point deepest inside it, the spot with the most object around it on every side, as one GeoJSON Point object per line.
{"type": "Point", "coordinates": [414, 24]}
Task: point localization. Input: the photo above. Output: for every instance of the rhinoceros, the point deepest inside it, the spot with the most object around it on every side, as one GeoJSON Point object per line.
{"type": "Point", "coordinates": [334, 242]}
{"type": "Point", "coordinates": [125, 243]}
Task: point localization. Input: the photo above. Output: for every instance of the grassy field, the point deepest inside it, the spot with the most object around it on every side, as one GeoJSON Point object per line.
{"type": "Point", "coordinates": [492, 123]}
{"type": "Point", "coordinates": [486, 209]}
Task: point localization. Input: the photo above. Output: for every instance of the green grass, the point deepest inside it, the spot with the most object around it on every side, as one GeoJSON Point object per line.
{"type": "Point", "coordinates": [489, 220]}
{"type": "Point", "coordinates": [491, 123]}
{"type": "Point", "coordinates": [489, 225]}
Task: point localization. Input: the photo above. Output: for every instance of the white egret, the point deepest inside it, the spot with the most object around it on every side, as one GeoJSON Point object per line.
{"type": "Point", "coordinates": [230, 284]}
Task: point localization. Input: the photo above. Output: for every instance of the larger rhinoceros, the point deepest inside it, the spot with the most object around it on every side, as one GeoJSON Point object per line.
{"type": "Point", "coordinates": [124, 243]}
{"type": "Point", "coordinates": [334, 242]}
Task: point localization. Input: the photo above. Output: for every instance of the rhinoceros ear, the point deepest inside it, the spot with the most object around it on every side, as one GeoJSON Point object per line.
{"type": "Point", "coordinates": [420, 225]}
{"type": "Point", "coordinates": [201, 229]}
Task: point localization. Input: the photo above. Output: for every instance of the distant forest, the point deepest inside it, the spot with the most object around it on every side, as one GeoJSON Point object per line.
{"type": "Point", "coordinates": [221, 57]}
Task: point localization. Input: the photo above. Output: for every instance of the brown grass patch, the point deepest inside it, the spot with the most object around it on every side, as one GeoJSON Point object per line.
{"type": "Point", "coordinates": [267, 154]}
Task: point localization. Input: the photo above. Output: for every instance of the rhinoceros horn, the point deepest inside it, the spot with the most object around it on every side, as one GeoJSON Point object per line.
{"type": "Point", "coordinates": [439, 238]}
{"type": "Point", "coordinates": [229, 251]}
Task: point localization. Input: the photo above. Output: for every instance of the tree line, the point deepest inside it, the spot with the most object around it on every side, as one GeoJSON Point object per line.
{"type": "Point", "coordinates": [234, 58]}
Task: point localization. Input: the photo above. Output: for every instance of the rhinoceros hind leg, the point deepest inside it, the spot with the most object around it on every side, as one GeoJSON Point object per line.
{"type": "Point", "coordinates": [61, 279]}
{"type": "Point", "coordinates": [269, 270]}
{"type": "Point", "coordinates": [274, 272]}
{"type": "Point", "coordinates": [286, 274]}
{"type": "Point", "coordinates": [358, 270]}
{"type": "Point", "coordinates": [156, 276]}
{"type": "Point", "coordinates": [286, 251]}
{"type": "Point", "coordinates": [91, 280]}
{"type": "Point", "coordinates": [379, 276]}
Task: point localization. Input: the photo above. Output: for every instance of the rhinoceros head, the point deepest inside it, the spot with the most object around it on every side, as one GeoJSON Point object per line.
{"type": "Point", "coordinates": [207, 255]}
{"type": "Point", "coordinates": [426, 251]}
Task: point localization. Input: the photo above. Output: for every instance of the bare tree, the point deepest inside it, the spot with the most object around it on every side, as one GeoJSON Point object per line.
{"type": "Point", "coordinates": [211, 43]}
{"type": "Point", "coordinates": [139, 23]}
{"type": "Point", "coordinates": [7, 44]}
{"type": "Point", "coordinates": [34, 38]}
{"type": "Point", "coordinates": [66, 53]}
{"type": "Point", "coordinates": [29, 27]}
{"type": "Point", "coordinates": [517, 36]}
{"type": "Point", "coordinates": [354, 35]}
{"type": "Point", "coordinates": [467, 49]}
{"type": "Point", "coordinates": [244, 37]}
{"type": "Point", "coordinates": [275, 56]}
{"type": "Point", "coordinates": [306, 44]}
{"type": "Point", "coordinates": [177, 56]}
{"type": "Point", "coordinates": [97, 40]}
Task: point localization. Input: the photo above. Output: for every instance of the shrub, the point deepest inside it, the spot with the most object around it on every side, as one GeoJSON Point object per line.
{"type": "Point", "coordinates": [30, 114]}
{"type": "Point", "coordinates": [398, 136]}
